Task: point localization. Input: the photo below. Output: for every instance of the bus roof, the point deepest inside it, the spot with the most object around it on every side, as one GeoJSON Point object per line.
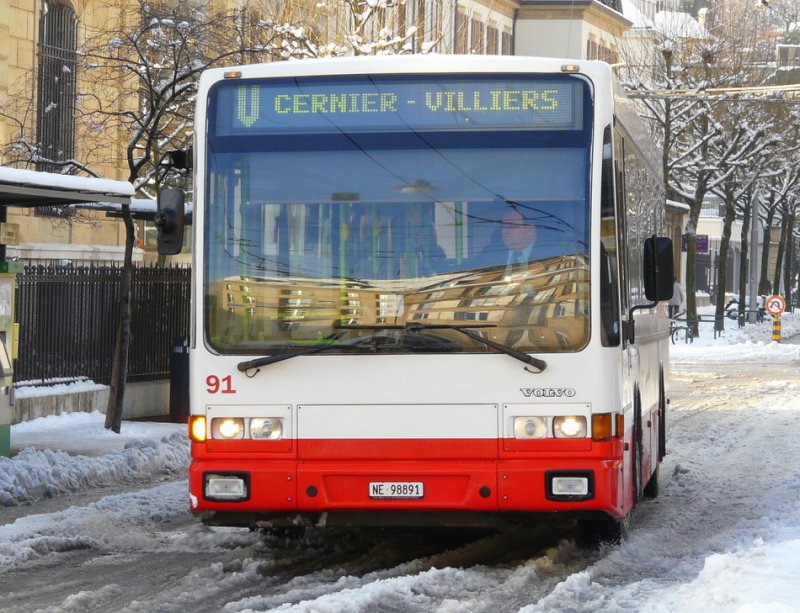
{"type": "Point", "coordinates": [411, 64]}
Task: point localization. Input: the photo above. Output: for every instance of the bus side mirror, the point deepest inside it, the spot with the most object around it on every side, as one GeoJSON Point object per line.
{"type": "Point", "coordinates": [658, 268]}
{"type": "Point", "coordinates": [169, 221]}
{"type": "Point", "coordinates": [658, 280]}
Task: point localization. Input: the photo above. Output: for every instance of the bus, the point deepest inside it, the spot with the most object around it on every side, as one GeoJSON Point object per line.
{"type": "Point", "coordinates": [363, 352]}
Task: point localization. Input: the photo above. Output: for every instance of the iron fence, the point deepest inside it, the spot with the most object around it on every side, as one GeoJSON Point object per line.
{"type": "Point", "coordinates": [68, 320]}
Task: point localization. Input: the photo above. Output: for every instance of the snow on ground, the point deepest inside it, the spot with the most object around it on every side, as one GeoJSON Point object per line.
{"type": "Point", "coordinates": [744, 561]}
{"type": "Point", "coordinates": [756, 563]}
{"type": "Point", "coordinates": [74, 451]}
{"type": "Point", "coordinates": [751, 343]}
{"type": "Point", "coordinates": [111, 519]}
{"type": "Point", "coordinates": [735, 342]}
{"type": "Point", "coordinates": [67, 452]}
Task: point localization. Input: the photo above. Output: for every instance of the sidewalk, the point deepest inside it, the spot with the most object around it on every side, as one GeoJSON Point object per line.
{"type": "Point", "coordinates": [85, 434]}
{"type": "Point", "coordinates": [757, 333]}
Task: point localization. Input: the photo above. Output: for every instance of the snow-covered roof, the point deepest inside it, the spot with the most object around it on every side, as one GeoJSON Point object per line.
{"type": "Point", "coordinates": [635, 16]}
{"type": "Point", "coordinates": [141, 208]}
{"type": "Point", "coordinates": [674, 26]}
{"type": "Point", "coordinates": [137, 205]}
{"type": "Point", "coordinates": [20, 187]}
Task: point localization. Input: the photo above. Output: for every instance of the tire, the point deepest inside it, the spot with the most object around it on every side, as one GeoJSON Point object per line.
{"type": "Point", "coordinates": [282, 536]}
{"type": "Point", "coordinates": [662, 419]}
{"type": "Point", "coordinates": [651, 490]}
{"type": "Point", "coordinates": [593, 533]}
{"type": "Point", "coordinates": [636, 448]}
{"type": "Point", "coordinates": [682, 335]}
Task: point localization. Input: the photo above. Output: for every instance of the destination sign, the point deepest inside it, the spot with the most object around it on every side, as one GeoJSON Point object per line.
{"type": "Point", "coordinates": [270, 107]}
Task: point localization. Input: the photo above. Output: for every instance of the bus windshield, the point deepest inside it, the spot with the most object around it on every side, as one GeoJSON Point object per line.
{"type": "Point", "coordinates": [348, 207]}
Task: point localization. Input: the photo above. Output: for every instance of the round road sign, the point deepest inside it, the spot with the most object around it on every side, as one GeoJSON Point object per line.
{"type": "Point", "coordinates": [775, 305]}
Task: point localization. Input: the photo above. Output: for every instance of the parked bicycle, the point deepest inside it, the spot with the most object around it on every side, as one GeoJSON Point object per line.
{"type": "Point", "coordinates": [679, 331]}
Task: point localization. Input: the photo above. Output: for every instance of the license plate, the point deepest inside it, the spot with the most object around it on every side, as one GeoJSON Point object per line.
{"type": "Point", "coordinates": [396, 489]}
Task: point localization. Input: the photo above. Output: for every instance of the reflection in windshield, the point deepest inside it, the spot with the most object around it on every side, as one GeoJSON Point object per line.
{"type": "Point", "coordinates": [299, 243]}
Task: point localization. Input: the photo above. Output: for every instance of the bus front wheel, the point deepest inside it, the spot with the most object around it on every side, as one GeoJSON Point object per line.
{"type": "Point", "coordinates": [597, 531]}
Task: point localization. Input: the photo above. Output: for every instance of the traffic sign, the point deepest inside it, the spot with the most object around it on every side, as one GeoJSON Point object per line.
{"type": "Point", "coordinates": [775, 305]}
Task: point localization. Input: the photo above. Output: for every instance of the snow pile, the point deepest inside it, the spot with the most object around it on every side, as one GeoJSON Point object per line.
{"type": "Point", "coordinates": [142, 452]}
{"type": "Point", "coordinates": [761, 578]}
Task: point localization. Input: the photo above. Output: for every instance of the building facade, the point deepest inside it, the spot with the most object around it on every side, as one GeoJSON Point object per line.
{"type": "Point", "coordinates": [41, 87]}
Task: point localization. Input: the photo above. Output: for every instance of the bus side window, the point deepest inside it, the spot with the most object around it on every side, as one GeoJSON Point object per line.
{"type": "Point", "coordinates": [609, 285]}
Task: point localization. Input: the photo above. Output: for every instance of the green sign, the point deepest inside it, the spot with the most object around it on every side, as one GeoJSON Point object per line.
{"type": "Point", "coordinates": [369, 104]}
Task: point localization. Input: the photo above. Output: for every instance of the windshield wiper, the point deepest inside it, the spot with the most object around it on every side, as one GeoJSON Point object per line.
{"type": "Point", "coordinates": [409, 327]}
{"type": "Point", "coordinates": [301, 350]}
{"type": "Point", "coordinates": [464, 329]}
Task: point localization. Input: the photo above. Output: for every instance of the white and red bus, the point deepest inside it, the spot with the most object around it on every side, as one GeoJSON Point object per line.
{"type": "Point", "coordinates": [363, 350]}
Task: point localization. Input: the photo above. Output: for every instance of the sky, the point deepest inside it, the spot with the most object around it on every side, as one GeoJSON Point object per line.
{"type": "Point", "coordinates": [70, 453]}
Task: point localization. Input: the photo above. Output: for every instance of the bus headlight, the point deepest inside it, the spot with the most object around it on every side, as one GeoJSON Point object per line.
{"type": "Point", "coordinates": [569, 426]}
{"type": "Point", "coordinates": [266, 428]}
{"type": "Point", "coordinates": [530, 427]}
{"type": "Point", "coordinates": [227, 428]}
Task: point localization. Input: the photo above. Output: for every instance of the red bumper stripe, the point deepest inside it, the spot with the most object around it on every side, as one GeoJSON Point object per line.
{"type": "Point", "coordinates": [458, 475]}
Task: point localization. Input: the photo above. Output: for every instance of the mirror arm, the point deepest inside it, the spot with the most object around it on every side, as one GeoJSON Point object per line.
{"type": "Point", "coordinates": [629, 326]}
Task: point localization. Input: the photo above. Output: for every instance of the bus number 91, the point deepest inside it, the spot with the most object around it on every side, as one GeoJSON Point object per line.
{"type": "Point", "coordinates": [217, 385]}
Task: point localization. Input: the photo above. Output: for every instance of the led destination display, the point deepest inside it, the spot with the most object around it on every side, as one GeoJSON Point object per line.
{"type": "Point", "coordinates": [369, 105]}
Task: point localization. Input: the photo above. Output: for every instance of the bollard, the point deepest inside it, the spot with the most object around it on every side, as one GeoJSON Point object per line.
{"type": "Point", "coordinates": [776, 328]}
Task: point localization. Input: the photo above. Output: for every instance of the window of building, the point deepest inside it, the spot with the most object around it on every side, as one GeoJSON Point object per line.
{"type": "Point", "coordinates": [462, 34]}
{"type": "Point", "coordinates": [425, 16]}
{"type": "Point", "coordinates": [506, 44]}
{"type": "Point", "coordinates": [477, 38]}
{"type": "Point", "coordinates": [55, 126]}
{"type": "Point", "coordinates": [591, 49]}
{"type": "Point", "coordinates": [492, 36]}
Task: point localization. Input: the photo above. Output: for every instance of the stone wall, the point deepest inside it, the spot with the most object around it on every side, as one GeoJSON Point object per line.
{"type": "Point", "coordinates": [31, 407]}
{"type": "Point", "coordinates": [142, 400]}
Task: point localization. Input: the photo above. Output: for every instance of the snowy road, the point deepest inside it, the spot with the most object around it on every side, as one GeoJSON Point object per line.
{"type": "Point", "coordinates": [728, 516]}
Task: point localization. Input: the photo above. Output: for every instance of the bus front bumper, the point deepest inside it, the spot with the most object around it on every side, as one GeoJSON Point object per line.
{"type": "Point", "coordinates": [288, 487]}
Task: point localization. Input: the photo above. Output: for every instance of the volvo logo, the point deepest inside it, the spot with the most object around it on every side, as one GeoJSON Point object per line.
{"type": "Point", "coordinates": [547, 392]}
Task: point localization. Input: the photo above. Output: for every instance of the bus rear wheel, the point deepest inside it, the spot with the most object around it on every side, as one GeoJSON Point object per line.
{"type": "Point", "coordinates": [651, 490]}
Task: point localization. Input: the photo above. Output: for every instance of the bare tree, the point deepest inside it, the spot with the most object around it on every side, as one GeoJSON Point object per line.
{"type": "Point", "coordinates": [684, 97]}
{"type": "Point", "coordinates": [360, 27]}
{"type": "Point", "coordinates": [778, 186]}
{"type": "Point", "coordinates": [751, 132]}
